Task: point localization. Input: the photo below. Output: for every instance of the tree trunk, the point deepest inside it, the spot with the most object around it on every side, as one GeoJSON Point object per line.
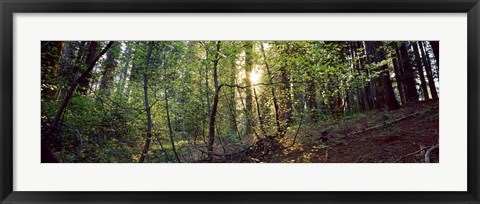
{"type": "Point", "coordinates": [84, 82]}
{"type": "Point", "coordinates": [311, 99]}
{"type": "Point", "coordinates": [110, 65]}
{"type": "Point", "coordinates": [436, 50]}
{"type": "Point", "coordinates": [371, 88]}
{"type": "Point", "coordinates": [275, 104]}
{"type": "Point", "coordinates": [169, 123]}
{"type": "Point", "coordinates": [428, 68]}
{"type": "Point", "coordinates": [123, 79]}
{"type": "Point", "coordinates": [213, 114]}
{"type": "Point", "coordinates": [358, 67]}
{"type": "Point", "coordinates": [248, 82]}
{"type": "Point", "coordinates": [147, 106]}
{"type": "Point", "coordinates": [420, 69]}
{"type": "Point", "coordinates": [392, 102]}
{"type": "Point", "coordinates": [409, 77]}
{"type": "Point", "coordinates": [233, 100]}
{"type": "Point", "coordinates": [399, 75]}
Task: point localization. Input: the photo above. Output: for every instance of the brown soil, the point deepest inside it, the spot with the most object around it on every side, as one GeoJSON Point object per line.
{"type": "Point", "coordinates": [390, 142]}
{"type": "Point", "coordinates": [380, 136]}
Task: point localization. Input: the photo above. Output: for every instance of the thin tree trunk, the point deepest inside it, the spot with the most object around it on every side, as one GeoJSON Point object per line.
{"type": "Point", "coordinates": [170, 125]}
{"type": "Point", "coordinates": [260, 118]}
{"type": "Point", "coordinates": [211, 132]}
{"type": "Point", "coordinates": [248, 97]}
{"type": "Point", "coordinates": [275, 104]}
{"type": "Point", "coordinates": [147, 106]}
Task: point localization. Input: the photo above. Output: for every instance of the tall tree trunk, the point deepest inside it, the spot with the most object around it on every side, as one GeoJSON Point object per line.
{"type": "Point", "coordinates": [408, 77]}
{"type": "Point", "coordinates": [420, 69]}
{"type": "Point", "coordinates": [147, 106]}
{"type": "Point", "coordinates": [398, 69]}
{"type": "Point", "coordinates": [275, 104]}
{"type": "Point", "coordinates": [311, 99]}
{"type": "Point", "coordinates": [358, 67]}
{"type": "Point", "coordinates": [436, 50]}
{"type": "Point", "coordinates": [207, 88]}
{"type": "Point", "coordinates": [233, 100]}
{"type": "Point", "coordinates": [428, 68]}
{"type": "Point", "coordinates": [367, 89]}
{"type": "Point", "coordinates": [129, 53]}
{"type": "Point", "coordinates": [248, 99]}
{"type": "Point", "coordinates": [260, 118]}
{"type": "Point", "coordinates": [285, 97]}
{"type": "Point", "coordinates": [110, 65]}
{"type": "Point", "coordinates": [169, 123]}
{"type": "Point", "coordinates": [371, 88]}
{"type": "Point", "coordinates": [384, 78]}
{"type": "Point", "coordinates": [213, 114]}
{"type": "Point", "coordinates": [84, 82]}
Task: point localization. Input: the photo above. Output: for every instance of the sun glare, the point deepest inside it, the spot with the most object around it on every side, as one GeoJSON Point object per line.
{"type": "Point", "coordinates": [254, 77]}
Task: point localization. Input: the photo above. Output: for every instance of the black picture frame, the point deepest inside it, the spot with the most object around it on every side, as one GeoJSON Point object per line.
{"type": "Point", "coordinates": [9, 7]}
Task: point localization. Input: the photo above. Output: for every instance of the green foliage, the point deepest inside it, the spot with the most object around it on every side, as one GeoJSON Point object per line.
{"type": "Point", "coordinates": [309, 81]}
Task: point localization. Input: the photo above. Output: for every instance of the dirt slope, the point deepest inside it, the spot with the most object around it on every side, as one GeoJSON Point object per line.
{"type": "Point", "coordinates": [403, 135]}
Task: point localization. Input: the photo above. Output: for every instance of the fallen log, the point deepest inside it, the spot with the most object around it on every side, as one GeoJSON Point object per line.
{"type": "Point", "coordinates": [391, 122]}
{"type": "Point", "coordinates": [429, 151]}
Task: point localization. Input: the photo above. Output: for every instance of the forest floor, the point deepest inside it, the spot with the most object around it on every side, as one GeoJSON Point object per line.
{"type": "Point", "coordinates": [373, 137]}
{"type": "Point", "coordinates": [380, 136]}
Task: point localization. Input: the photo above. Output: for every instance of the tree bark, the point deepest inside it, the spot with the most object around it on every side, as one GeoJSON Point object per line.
{"type": "Point", "coordinates": [248, 99]}
{"type": "Point", "coordinates": [428, 69]}
{"type": "Point", "coordinates": [170, 124]}
{"type": "Point", "coordinates": [275, 104]}
{"type": "Point", "coordinates": [399, 75]}
{"type": "Point", "coordinates": [420, 69]}
{"type": "Point", "coordinates": [436, 51]}
{"type": "Point", "coordinates": [386, 83]}
{"type": "Point", "coordinates": [110, 65]}
{"type": "Point", "coordinates": [311, 99]}
{"type": "Point", "coordinates": [84, 82]}
{"type": "Point", "coordinates": [211, 131]}
{"type": "Point", "coordinates": [147, 106]}
{"type": "Point", "coordinates": [409, 77]}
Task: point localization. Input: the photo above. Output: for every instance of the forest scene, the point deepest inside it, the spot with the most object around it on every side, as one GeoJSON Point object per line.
{"type": "Point", "coordinates": [240, 101]}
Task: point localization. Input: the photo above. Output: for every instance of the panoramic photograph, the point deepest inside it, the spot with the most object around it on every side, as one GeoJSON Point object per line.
{"type": "Point", "coordinates": [240, 102]}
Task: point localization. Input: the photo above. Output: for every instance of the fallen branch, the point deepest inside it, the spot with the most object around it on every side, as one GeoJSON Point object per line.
{"type": "Point", "coordinates": [416, 152]}
{"type": "Point", "coordinates": [391, 122]}
{"type": "Point", "coordinates": [429, 151]}
{"type": "Point", "coordinates": [386, 123]}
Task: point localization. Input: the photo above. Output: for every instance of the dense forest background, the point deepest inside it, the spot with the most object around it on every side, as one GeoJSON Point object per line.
{"type": "Point", "coordinates": [239, 101]}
